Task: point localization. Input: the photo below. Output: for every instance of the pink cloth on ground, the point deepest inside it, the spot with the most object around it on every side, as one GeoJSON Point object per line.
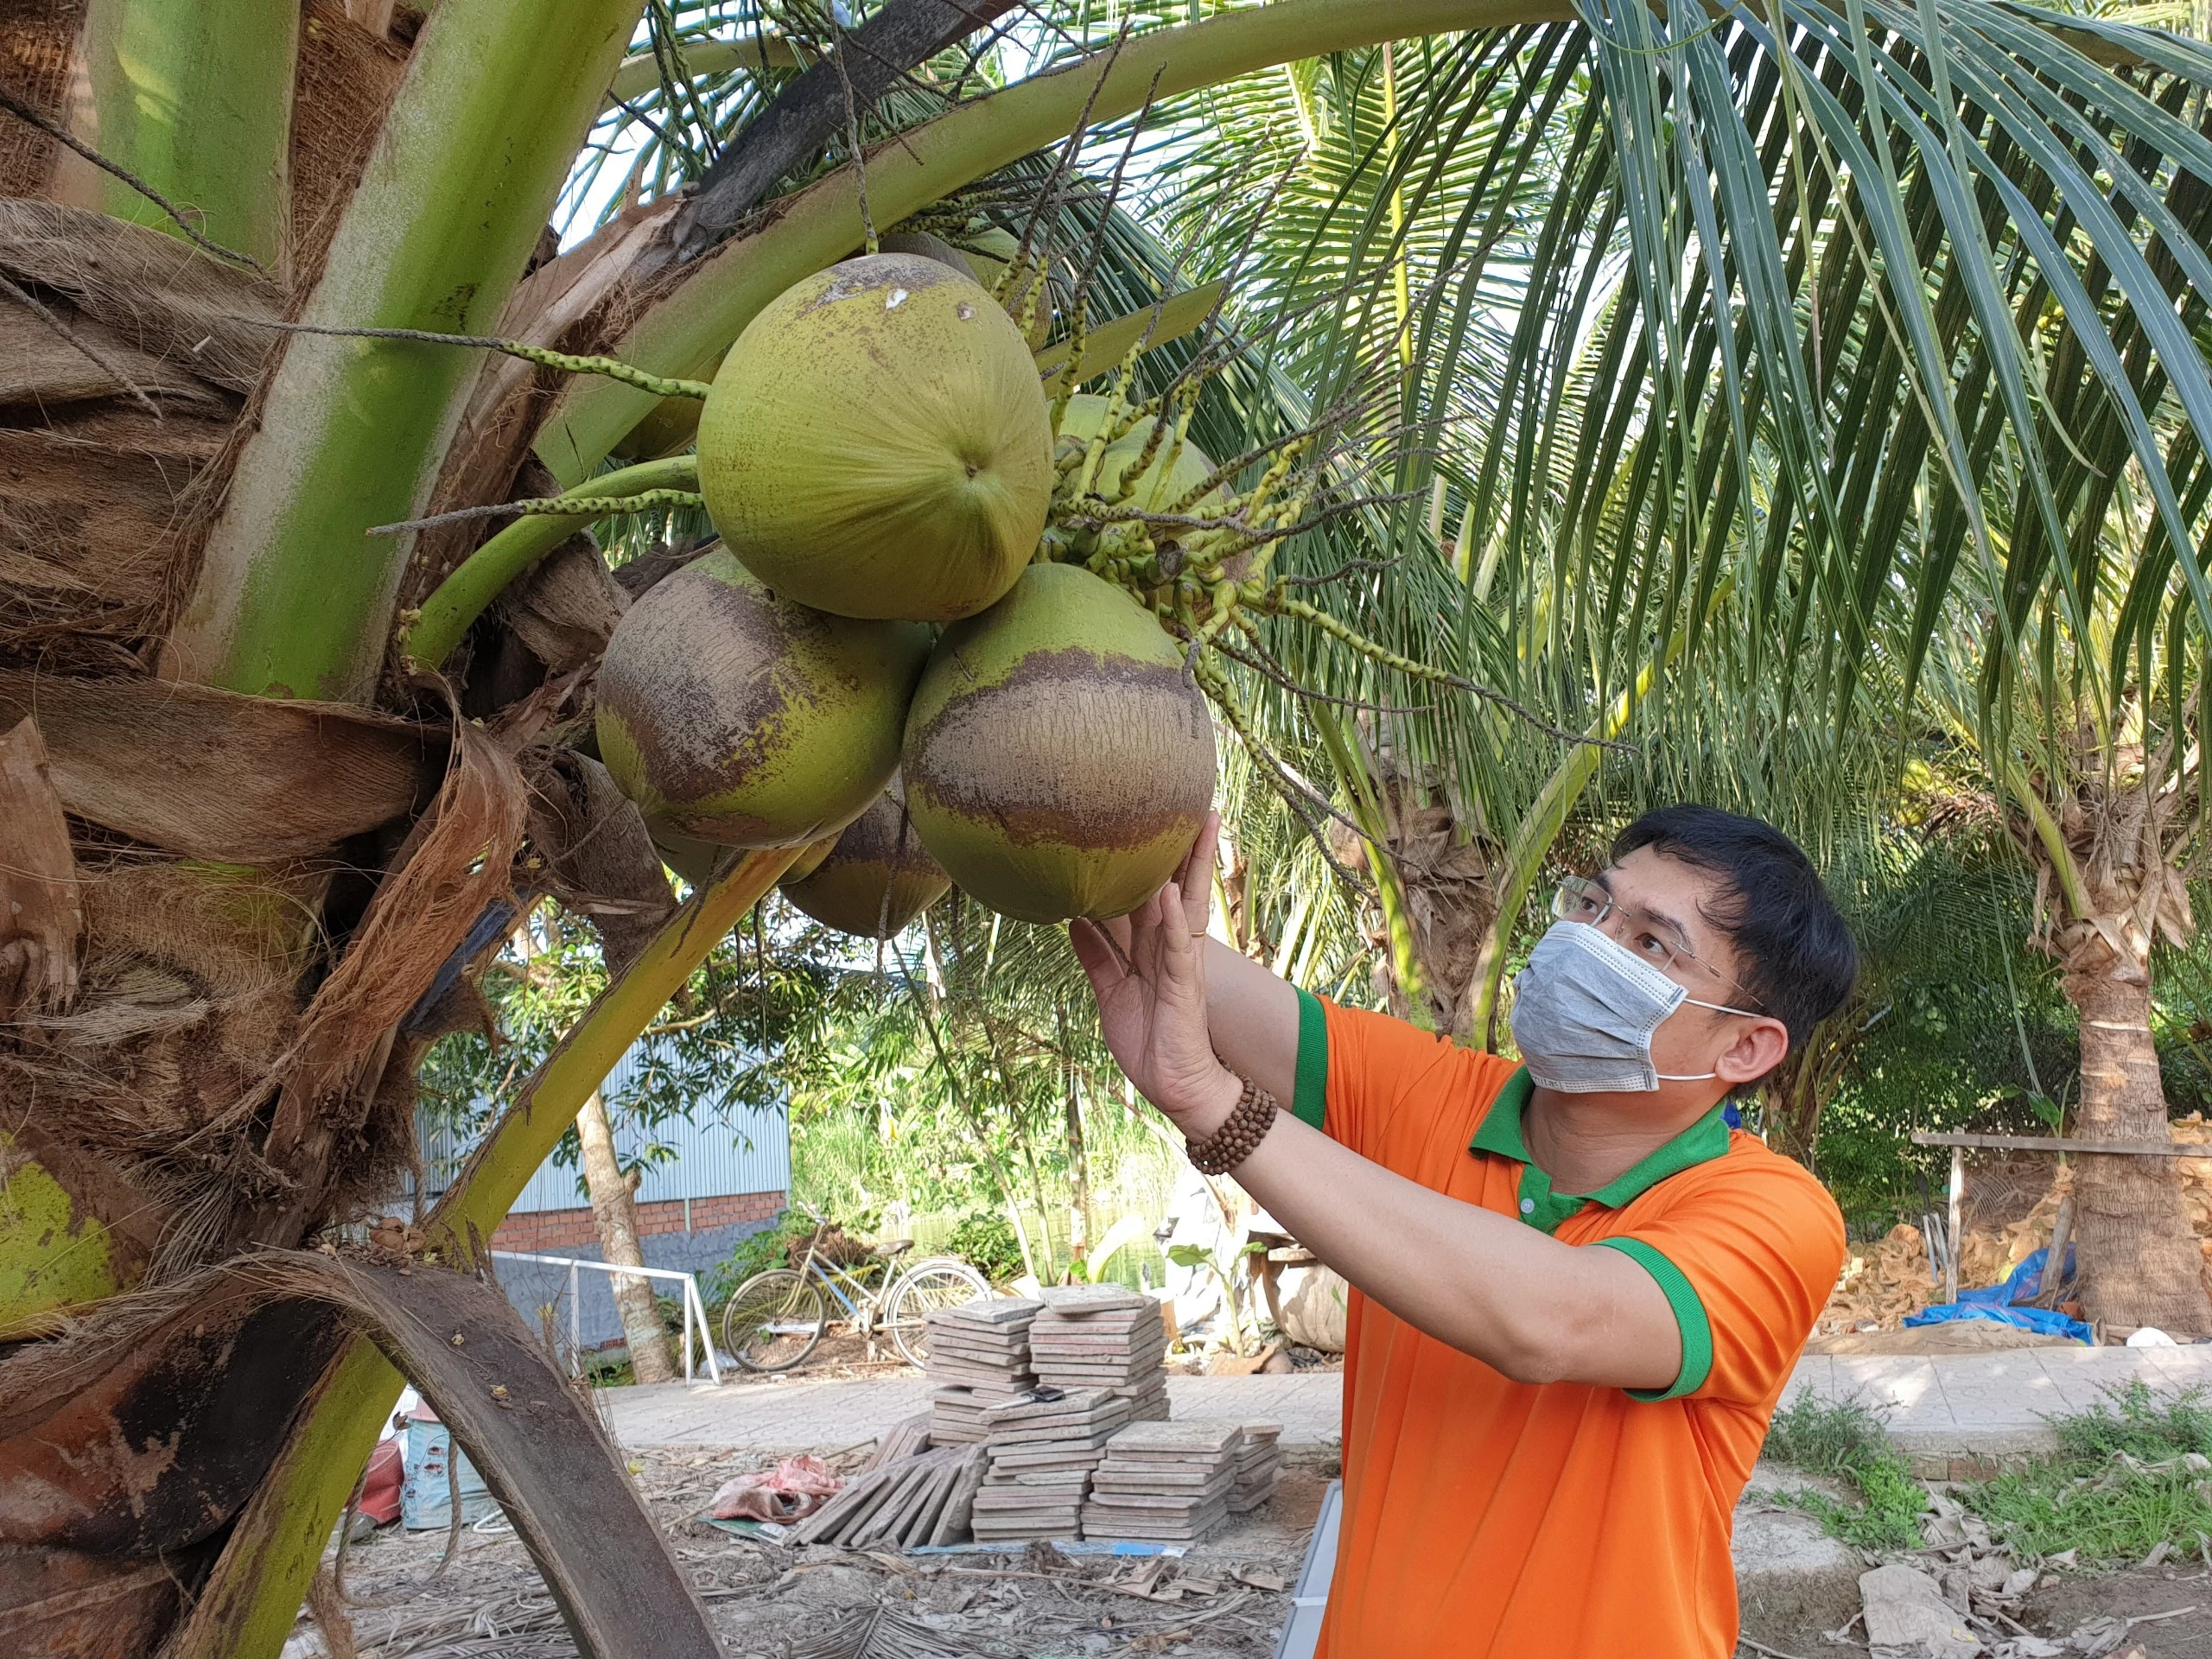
{"type": "Point", "coordinates": [793, 1488]}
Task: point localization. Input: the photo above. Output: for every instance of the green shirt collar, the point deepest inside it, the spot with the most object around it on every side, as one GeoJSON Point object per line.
{"type": "Point", "coordinates": [1500, 1133]}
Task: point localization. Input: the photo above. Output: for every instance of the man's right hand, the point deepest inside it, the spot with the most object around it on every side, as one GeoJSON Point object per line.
{"type": "Point", "coordinates": [1148, 972]}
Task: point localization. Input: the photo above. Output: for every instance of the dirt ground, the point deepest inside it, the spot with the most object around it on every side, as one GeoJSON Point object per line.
{"type": "Point", "coordinates": [2064, 1603]}
{"type": "Point", "coordinates": [1220, 1601]}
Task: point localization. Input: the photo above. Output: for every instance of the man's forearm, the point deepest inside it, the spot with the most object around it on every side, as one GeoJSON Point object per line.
{"type": "Point", "coordinates": [1252, 1017]}
{"type": "Point", "coordinates": [1515, 1297]}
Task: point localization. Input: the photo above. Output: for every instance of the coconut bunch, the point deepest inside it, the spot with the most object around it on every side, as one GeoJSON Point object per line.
{"type": "Point", "coordinates": [937, 562]}
{"type": "Point", "coordinates": [874, 664]}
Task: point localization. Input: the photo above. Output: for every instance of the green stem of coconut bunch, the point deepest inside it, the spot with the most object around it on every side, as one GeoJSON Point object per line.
{"type": "Point", "coordinates": [290, 600]}
{"type": "Point", "coordinates": [454, 605]}
{"type": "Point", "coordinates": [195, 100]}
{"type": "Point", "coordinates": [814, 228]}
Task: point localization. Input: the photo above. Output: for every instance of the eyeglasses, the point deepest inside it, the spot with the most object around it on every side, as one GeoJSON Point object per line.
{"type": "Point", "coordinates": [1580, 900]}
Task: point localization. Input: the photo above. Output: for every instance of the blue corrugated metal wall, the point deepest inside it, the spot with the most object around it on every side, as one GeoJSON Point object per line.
{"type": "Point", "coordinates": [729, 1150]}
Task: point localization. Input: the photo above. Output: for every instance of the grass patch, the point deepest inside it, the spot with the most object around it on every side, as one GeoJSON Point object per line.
{"type": "Point", "coordinates": [1842, 1439]}
{"type": "Point", "coordinates": [2130, 1475]}
{"type": "Point", "coordinates": [2132, 1419]}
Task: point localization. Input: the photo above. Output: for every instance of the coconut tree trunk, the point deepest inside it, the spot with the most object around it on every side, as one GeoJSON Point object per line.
{"type": "Point", "coordinates": [1078, 1172]}
{"type": "Point", "coordinates": [614, 1217]}
{"type": "Point", "coordinates": [2140, 1264]}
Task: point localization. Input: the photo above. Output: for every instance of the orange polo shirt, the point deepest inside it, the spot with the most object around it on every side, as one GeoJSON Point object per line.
{"type": "Point", "coordinates": [1485, 1517]}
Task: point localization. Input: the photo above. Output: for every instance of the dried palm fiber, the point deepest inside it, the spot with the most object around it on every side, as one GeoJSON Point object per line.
{"type": "Point", "coordinates": [102, 504]}
{"type": "Point", "coordinates": [458, 860]}
{"type": "Point", "coordinates": [189, 1038]}
{"type": "Point", "coordinates": [1450, 898]}
{"type": "Point", "coordinates": [579, 302]}
{"type": "Point", "coordinates": [38, 39]}
{"type": "Point", "coordinates": [215, 775]}
{"type": "Point", "coordinates": [41, 918]}
{"type": "Point", "coordinates": [187, 998]}
{"type": "Point", "coordinates": [344, 83]}
{"type": "Point", "coordinates": [565, 609]}
{"type": "Point", "coordinates": [600, 859]}
{"type": "Point", "coordinates": [162, 294]}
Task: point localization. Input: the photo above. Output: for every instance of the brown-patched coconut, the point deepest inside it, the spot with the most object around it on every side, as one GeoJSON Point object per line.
{"type": "Point", "coordinates": [877, 444]}
{"type": "Point", "coordinates": [736, 716]}
{"type": "Point", "coordinates": [1058, 761]}
{"type": "Point", "coordinates": [878, 877]}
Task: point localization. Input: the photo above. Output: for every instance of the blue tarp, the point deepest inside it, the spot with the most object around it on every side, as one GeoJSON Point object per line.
{"type": "Point", "coordinates": [2024, 1286]}
{"type": "Point", "coordinates": [1998, 1303]}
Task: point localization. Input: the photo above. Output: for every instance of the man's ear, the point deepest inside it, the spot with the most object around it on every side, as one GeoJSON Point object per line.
{"type": "Point", "coordinates": [1759, 1048]}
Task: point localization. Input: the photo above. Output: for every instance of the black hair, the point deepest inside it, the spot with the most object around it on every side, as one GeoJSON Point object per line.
{"type": "Point", "coordinates": [1795, 954]}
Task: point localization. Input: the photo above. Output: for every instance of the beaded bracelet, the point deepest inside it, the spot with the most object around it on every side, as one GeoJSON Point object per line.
{"type": "Point", "coordinates": [1239, 1136]}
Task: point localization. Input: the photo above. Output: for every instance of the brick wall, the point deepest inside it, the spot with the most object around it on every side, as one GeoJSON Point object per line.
{"type": "Point", "coordinates": [557, 1232]}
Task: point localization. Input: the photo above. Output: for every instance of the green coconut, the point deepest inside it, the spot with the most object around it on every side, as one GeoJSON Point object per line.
{"type": "Point", "coordinates": [1058, 761]}
{"type": "Point", "coordinates": [736, 716]}
{"type": "Point", "coordinates": [1173, 472]}
{"type": "Point", "coordinates": [877, 878]}
{"type": "Point", "coordinates": [877, 444]}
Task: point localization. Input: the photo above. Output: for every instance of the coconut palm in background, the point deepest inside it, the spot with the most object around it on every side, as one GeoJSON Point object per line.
{"type": "Point", "coordinates": [1693, 320]}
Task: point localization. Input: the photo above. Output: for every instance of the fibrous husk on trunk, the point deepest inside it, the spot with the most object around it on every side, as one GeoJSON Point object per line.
{"type": "Point", "coordinates": [1445, 871]}
{"type": "Point", "coordinates": [601, 857]}
{"type": "Point", "coordinates": [566, 609]}
{"type": "Point", "coordinates": [347, 77]}
{"type": "Point", "coordinates": [215, 775]}
{"type": "Point", "coordinates": [106, 489]}
{"type": "Point", "coordinates": [322, 1142]}
{"type": "Point", "coordinates": [2125, 825]}
{"type": "Point", "coordinates": [42, 918]}
{"type": "Point", "coordinates": [189, 994]}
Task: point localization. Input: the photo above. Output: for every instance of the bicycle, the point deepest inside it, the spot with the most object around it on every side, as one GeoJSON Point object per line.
{"type": "Point", "coordinates": [772, 1321]}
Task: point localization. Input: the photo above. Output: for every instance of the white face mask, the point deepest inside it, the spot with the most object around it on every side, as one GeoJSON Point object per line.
{"type": "Point", "coordinates": [1583, 1011]}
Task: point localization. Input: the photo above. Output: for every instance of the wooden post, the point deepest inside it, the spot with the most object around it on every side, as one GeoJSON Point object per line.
{"type": "Point", "coordinates": [2054, 1264]}
{"type": "Point", "coordinates": [1958, 1205]}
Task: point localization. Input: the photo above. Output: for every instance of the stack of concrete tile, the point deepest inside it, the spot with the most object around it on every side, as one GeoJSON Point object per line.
{"type": "Point", "coordinates": [1102, 1337]}
{"type": "Point", "coordinates": [1042, 1450]}
{"type": "Point", "coordinates": [978, 1356]}
{"type": "Point", "coordinates": [1259, 1463]}
{"type": "Point", "coordinates": [921, 1499]}
{"type": "Point", "coordinates": [1164, 1483]}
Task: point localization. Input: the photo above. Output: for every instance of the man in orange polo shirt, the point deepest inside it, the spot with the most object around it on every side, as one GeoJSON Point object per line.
{"type": "Point", "coordinates": [1576, 1293]}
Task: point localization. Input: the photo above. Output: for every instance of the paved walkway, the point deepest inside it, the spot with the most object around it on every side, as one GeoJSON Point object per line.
{"type": "Point", "coordinates": [1938, 1409]}
{"type": "Point", "coordinates": [1942, 1407]}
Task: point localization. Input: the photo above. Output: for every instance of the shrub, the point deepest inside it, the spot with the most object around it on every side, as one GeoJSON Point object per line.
{"type": "Point", "coordinates": [986, 1238]}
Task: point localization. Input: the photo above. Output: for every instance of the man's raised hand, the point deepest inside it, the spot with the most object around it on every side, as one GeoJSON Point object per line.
{"type": "Point", "coordinates": [1148, 975]}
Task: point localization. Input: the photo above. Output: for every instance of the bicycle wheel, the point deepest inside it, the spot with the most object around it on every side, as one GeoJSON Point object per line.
{"type": "Point", "coordinates": [773, 1321]}
{"type": "Point", "coordinates": [942, 1281]}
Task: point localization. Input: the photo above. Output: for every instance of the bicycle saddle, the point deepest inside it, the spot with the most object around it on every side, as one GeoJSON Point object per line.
{"type": "Point", "coordinates": [894, 1247]}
